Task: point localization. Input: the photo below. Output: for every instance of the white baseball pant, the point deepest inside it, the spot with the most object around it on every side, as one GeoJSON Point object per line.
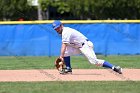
{"type": "Point", "coordinates": [87, 51]}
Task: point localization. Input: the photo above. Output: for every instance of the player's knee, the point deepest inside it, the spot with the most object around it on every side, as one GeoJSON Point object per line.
{"type": "Point", "coordinates": [92, 61]}
{"type": "Point", "coordinates": [99, 62]}
{"type": "Point", "coordinates": [90, 44]}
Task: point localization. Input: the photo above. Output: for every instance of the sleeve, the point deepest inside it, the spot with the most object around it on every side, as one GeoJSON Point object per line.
{"type": "Point", "coordinates": [66, 38]}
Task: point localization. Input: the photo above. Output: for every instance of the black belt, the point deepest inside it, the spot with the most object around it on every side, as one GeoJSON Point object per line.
{"type": "Point", "coordinates": [84, 43]}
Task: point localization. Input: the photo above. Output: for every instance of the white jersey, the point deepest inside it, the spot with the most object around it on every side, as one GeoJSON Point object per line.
{"type": "Point", "coordinates": [72, 37]}
{"type": "Point", "coordinates": [77, 43]}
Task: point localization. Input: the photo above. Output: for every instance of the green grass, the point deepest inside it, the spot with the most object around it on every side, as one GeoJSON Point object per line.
{"type": "Point", "coordinates": [71, 87]}
{"type": "Point", "coordinates": [19, 62]}
{"type": "Point", "coordinates": [78, 62]}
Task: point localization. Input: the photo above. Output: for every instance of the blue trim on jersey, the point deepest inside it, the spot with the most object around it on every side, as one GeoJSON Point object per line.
{"type": "Point", "coordinates": [107, 65]}
{"type": "Point", "coordinates": [67, 62]}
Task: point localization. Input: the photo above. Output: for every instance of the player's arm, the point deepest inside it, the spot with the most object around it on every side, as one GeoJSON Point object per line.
{"type": "Point", "coordinates": [65, 42]}
{"type": "Point", "coordinates": [63, 48]}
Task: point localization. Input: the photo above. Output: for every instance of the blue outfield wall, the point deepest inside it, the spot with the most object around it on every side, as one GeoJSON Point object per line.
{"type": "Point", "coordinates": [42, 40]}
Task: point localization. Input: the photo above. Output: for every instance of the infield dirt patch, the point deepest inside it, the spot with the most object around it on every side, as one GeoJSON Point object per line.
{"type": "Point", "coordinates": [77, 75]}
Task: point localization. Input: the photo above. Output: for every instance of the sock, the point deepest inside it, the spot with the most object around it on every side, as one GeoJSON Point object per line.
{"type": "Point", "coordinates": [67, 62]}
{"type": "Point", "coordinates": [107, 65]}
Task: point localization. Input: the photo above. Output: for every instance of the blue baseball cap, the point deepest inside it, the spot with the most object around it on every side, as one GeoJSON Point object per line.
{"type": "Point", "coordinates": [56, 24]}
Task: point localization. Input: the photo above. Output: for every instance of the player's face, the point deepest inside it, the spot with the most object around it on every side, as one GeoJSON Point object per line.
{"type": "Point", "coordinates": [59, 29]}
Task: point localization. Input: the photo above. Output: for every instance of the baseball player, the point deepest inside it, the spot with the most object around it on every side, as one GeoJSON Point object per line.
{"type": "Point", "coordinates": [74, 42]}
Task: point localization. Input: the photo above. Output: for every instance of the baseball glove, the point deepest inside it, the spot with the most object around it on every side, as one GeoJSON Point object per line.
{"type": "Point", "coordinates": [59, 64]}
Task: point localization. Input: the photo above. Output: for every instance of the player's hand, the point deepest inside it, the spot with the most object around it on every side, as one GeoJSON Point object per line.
{"type": "Point", "coordinates": [59, 64]}
{"type": "Point", "coordinates": [62, 58]}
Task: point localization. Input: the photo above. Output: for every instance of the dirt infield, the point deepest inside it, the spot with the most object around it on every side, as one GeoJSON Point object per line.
{"type": "Point", "coordinates": [77, 75]}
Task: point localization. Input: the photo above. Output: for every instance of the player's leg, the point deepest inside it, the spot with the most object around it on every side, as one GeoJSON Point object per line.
{"type": "Point", "coordinates": [103, 63]}
{"type": "Point", "coordinates": [68, 64]}
{"type": "Point", "coordinates": [69, 51]}
{"type": "Point", "coordinates": [115, 68]}
{"type": "Point", "coordinates": [90, 55]}
{"type": "Point", "coordinates": [109, 65]}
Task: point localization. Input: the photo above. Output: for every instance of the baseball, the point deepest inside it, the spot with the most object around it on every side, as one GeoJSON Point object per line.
{"type": "Point", "coordinates": [60, 63]}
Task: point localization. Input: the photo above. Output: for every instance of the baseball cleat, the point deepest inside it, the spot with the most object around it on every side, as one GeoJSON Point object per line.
{"type": "Point", "coordinates": [68, 70]}
{"type": "Point", "coordinates": [65, 71]}
{"type": "Point", "coordinates": [118, 69]}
